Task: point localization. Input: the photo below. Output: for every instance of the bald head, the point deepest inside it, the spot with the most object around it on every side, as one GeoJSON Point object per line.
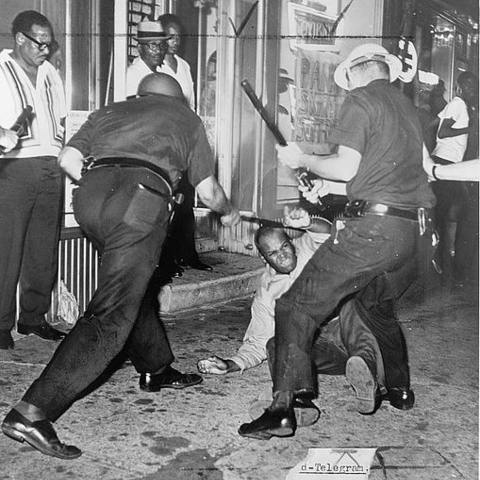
{"type": "Point", "coordinates": [160, 84]}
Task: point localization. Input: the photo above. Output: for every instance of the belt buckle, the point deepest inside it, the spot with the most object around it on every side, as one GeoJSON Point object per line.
{"type": "Point", "coordinates": [356, 208]}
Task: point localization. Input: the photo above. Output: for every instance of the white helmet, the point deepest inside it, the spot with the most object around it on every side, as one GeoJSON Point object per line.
{"type": "Point", "coordinates": [364, 53]}
{"type": "Point", "coordinates": [160, 84]}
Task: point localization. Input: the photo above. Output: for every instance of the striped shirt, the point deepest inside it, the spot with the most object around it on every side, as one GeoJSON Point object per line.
{"type": "Point", "coordinates": [45, 133]}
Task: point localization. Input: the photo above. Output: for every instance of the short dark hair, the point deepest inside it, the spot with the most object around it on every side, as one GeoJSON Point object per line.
{"type": "Point", "coordinates": [168, 19]}
{"type": "Point", "coordinates": [24, 22]}
{"type": "Point", "coordinates": [264, 231]}
{"type": "Point", "coordinates": [465, 77]}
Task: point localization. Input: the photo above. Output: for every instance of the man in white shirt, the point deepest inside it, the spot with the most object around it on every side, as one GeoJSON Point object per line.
{"type": "Point", "coordinates": [344, 344]}
{"type": "Point", "coordinates": [30, 180]}
{"type": "Point", "coordinates": [173, 64]}
{"type": "Point", "coordinates": [452, 138]}
{"type": "Point", "coordinates": [152, 47]}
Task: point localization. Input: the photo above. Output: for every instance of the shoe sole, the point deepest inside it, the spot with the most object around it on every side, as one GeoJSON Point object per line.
{"type": "Point", "coordinates": [157, 388]}
{"type": "Point", "coordinates": [268, 434]}
{"type": "Point", "coordinates": [43, 337]}
{"type": "Point", "coordinates": [20, 437]}
{"type": "Point", "coordinates": [305, 417]}
{"type": "Point", "coordinates": [361, 379]}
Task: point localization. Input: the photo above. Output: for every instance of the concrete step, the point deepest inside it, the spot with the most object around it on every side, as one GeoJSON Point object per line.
{"type": "Point", "coordinates": [234, 276]}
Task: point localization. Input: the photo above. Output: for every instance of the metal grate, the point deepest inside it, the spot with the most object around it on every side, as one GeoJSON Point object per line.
{"type": "Point", "coordinates": [78, 268]}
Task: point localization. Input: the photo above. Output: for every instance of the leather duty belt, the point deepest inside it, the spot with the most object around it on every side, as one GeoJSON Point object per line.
{"type": "Point", "coordinates": [359, 208]}
{"type": "Point", "coordinates": [131, 162]}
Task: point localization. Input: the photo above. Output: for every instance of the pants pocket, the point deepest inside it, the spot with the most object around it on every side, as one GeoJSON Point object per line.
{"type": "Point", "coordinates": [146, 208]}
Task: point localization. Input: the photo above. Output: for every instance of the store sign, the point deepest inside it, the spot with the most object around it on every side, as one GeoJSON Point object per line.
{"type": "Point", "coordinates": [310, 29]}
{"type": "Point", "coordinates": [317, 99]}
{"type": "Point", "coordinates": [409, 58]}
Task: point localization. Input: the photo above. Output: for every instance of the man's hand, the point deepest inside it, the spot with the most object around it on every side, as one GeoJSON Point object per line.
{"type": "Point", "coordinates": [320, 189]}
{"type": "Point", "coordinates": [291, 155]}
{"type": "Point", "coordinates": [8, 140]}
{"type": "Point", "coordinates": [231, 219]}
{"type": "Point", "coordinates": [214, 365]}
{"type": "Point", "coordinates": [296, 217]}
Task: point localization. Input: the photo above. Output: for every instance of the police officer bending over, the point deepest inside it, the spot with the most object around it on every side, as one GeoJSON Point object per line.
{"type": "Point", "coordinates": [141, 148]}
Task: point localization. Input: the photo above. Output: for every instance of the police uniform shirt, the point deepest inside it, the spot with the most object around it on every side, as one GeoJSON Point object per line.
{"type": "Point", "coordinates": [380, 123]}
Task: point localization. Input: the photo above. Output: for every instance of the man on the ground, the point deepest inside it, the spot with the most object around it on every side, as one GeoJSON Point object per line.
{"type": "Point", "coordinates": [343, 345]}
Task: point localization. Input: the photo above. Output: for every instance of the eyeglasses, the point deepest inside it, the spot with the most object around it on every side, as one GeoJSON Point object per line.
{"type": "Point", "coordinates": [42, 46]}
{"type": "Point", "coordinates": [157, 47]}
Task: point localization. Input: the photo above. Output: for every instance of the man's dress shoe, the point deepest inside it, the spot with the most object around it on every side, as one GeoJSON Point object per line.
{"type": "Point", "coordinates": [306, 412]}
{"type": "Point", "coordinates": [196, 264]}
{"type": "Point", "coordinates": [402, 398]}
{"type": "Point", "coordinates": [278, 423]}
{"type": "Point", "coordinates": [6, 340]}
{"type": "Point", "coordinates": [363, 382]}
{"type": "Point", "coordinates": [39, 435]}
{"type": "Point", "coordinates": [169, 378]}
{"type": "Point", "coordinates": [176, 271]}
{"type": "Point", "coordinates": [43, 330]}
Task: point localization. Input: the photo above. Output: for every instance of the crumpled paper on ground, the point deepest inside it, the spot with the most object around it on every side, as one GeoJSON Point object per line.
{"type": "Point", "coordinates": [67, 310]}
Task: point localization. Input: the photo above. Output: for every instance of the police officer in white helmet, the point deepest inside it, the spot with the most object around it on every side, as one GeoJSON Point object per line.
{"type": "Point", "coordinates": [386, 226]}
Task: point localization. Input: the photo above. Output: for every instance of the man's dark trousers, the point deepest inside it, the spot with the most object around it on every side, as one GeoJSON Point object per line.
{"type": "Point", "coordinates": [30, 211]}
{"type": "Point", "coordinates": [366, 248]}
{"type": "Point", "coordinates": [124, 211]}
{"type": "Point", "coordinates": [337, 341]}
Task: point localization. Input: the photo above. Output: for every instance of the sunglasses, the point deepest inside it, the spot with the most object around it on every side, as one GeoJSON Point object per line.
{"type": "Point", "coordinates": [42, 46]}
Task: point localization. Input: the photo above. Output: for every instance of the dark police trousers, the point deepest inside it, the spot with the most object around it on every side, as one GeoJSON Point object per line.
{"type": "Point", "coordinates": [124, 211]}
{"type": "Point", "coordinates": [384, 254]}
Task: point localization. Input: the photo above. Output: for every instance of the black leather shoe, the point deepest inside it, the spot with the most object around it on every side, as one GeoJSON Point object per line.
{"type": "Point", "coordinates": [169, 378]}
{"type": "Point", "coordinates": [39, 435]}
{"type": "Point", "coordinates": [44, 331]}
{"type": "Point", "coordinates": [277, 423]}
{"type": "Point", "coordinates": [306, 412]}
{"type": "Point", "coordinates": [198, 265]}
{"type": "Point", "coordinates": [364, 383]}
{"type": "Point", "coordinates": [402, 398]}
{"type": "Point", "coordinates": [177, 271]}
{"type": "Point", "coordinates": [6, 340]}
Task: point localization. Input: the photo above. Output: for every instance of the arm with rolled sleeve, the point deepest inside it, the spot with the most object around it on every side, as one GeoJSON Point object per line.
{"type": "Point", "coordinates": [261, 329]}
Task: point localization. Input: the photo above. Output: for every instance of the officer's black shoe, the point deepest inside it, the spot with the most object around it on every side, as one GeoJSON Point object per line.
{"type": "Point", "coordinates": [402, 398]}
{"type": "Point", "coordinates": [278, 423]}
{"type": "Point", "coordinates": [39, 434]}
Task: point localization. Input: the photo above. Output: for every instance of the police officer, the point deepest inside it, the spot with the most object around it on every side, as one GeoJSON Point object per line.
{"type": "Point", "coordinates": [386, 226]}
{"type": "Point", "coordinates": [141, 148]}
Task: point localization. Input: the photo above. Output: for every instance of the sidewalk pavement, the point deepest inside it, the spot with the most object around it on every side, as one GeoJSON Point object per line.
{"type": "Point", "coordinates": [128, 434]}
